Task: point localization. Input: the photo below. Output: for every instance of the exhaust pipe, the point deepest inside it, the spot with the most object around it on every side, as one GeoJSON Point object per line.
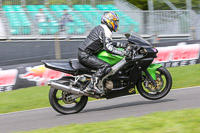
{"type": "Point", "coordinates": [67, 88]}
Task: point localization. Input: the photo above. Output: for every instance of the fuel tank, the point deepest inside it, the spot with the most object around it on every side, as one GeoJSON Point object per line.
{"type": "Point", "coordinates": [109, 58]}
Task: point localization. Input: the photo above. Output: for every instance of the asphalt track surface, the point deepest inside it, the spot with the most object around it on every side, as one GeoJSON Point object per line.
{"type": "Point", "coordinates": [100, 110]}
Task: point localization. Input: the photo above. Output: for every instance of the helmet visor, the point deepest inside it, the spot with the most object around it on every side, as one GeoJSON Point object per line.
{"type": "Point", "coordinates": [116, 22]}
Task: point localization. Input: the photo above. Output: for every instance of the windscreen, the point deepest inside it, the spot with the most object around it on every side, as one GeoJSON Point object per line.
{"type": "Point", "coordinates": [137, 39]}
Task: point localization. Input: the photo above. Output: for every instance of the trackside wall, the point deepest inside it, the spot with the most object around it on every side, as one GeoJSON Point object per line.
{"type": "Point", "coordinates": [21, 67]}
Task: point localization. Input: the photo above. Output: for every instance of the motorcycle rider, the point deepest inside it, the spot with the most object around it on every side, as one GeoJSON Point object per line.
{"type": "Point", "coordinates": [100, 38]}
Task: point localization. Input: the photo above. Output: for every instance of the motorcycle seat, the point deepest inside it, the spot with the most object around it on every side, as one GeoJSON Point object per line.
{"type": "Point", "coordinates": [70, 66]}
{"type": "Point", "coordinates": [76, 65]}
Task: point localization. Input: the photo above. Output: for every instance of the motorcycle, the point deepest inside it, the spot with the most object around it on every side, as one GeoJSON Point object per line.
{"type": "Point", "coordinates": [153, 81]}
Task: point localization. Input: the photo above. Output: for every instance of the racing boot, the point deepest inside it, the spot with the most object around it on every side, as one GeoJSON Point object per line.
{"type": "Point", "coordinates": [92, 87]}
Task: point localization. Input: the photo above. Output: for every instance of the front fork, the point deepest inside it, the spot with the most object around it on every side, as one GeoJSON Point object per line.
{"type": "Point", "coordinates": [151, 72]}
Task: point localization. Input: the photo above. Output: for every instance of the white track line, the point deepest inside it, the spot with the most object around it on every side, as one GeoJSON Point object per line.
{"type": "Point", "coordinates": [89, 101]}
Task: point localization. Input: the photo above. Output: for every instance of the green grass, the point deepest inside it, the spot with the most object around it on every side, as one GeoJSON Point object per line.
{"type": "Point", "coordinates": [184, 121]}
{"type": "Point", "coordinates": [24, 99]}
{"type": "Point", "coordinates": [185, 76]}
{"type": "Point", "coordinates": [37, 97]}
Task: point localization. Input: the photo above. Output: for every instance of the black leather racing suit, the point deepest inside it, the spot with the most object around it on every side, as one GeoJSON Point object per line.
{"type": "Point", "coordinates": [100, 38]}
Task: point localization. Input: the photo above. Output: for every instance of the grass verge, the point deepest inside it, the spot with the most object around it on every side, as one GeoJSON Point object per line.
{"type": "Point", "coordinates": [186, 76]}
{"type": "Point", "coordinates": [37, 97]}
{"type": "Point", "coordinates": [183, 121]}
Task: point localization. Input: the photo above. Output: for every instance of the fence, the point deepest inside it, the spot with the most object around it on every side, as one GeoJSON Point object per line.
{"type": "Point", "coordinates": [24, 23]}
{"type": "Point", "coordinates": [168, 22]}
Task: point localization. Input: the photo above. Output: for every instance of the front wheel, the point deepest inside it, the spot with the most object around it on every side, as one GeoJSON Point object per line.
{"type": "Point", "coordinates": [149, 91]}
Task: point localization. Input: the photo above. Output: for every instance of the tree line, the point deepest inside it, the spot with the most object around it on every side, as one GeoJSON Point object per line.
{"type": "Point", "coordinates": [161, 5]}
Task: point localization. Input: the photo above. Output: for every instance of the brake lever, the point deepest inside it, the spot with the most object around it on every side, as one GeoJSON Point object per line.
{"type": "Point", "coordinates": [136, 47]}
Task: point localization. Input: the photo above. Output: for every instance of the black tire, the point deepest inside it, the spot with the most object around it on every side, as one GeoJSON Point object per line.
{"type": "Point", "coordinates": [162, 71]}
{"type": "Point", "coordinates": [63, 109]}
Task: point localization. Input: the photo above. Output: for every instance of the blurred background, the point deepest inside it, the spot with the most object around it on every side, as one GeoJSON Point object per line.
{"type": "Point", "coordinates": [35, 30]}
{"type": "Point", "coordinates": [151, 18]}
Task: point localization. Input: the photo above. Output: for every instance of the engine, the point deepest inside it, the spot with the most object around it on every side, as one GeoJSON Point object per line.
{"type": "Point", "coordinates": [109, 85]}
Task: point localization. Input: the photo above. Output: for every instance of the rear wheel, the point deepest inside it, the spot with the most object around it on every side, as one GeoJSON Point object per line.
{"type": "Point", "coordinates": [164, 83]}
{"type": "Point", "coordinates": [66, 103]}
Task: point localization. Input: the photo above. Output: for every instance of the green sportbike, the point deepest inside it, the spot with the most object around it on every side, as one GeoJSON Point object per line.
{"type": "Point", "coordinates": [152, 81]}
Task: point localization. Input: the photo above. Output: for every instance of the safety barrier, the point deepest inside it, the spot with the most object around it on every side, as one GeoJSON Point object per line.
{"type": "Point", "coordinates": [35, 74]}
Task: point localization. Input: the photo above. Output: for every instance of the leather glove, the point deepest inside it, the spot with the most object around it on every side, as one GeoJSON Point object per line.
{"type": "Point", "coordinates": [122, 45]}
{"type": "Point", "coordinates": [126, 44]}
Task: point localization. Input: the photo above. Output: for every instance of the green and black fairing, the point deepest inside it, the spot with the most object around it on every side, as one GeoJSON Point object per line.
{"type": "Point", "coordinates": [132, 69]}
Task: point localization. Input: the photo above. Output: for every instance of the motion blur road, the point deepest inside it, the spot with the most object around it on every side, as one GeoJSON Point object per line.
{"type": "Point", "coordinates": [100, 110]}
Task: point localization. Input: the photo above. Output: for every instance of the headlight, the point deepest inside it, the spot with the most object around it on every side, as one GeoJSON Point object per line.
{"type": "Point", "coordinates": [155, 50]}
{"type": "Point", "coordinates": [142, 51]}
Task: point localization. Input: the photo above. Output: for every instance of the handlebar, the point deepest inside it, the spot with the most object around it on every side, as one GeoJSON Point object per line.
{"type": "Point", "coordinates": [136, 50]}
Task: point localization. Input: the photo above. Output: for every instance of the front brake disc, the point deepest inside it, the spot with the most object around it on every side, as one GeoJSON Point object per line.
{"type": "Point", "coordinates": [159, 84]}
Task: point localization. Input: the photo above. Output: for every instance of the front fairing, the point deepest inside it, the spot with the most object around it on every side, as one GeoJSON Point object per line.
{"type": "Point", "coordinates": [136, 39]}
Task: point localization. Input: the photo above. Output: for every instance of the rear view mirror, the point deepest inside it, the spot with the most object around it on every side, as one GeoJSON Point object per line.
{"type": "Point", "coordinates": [127, 35]}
